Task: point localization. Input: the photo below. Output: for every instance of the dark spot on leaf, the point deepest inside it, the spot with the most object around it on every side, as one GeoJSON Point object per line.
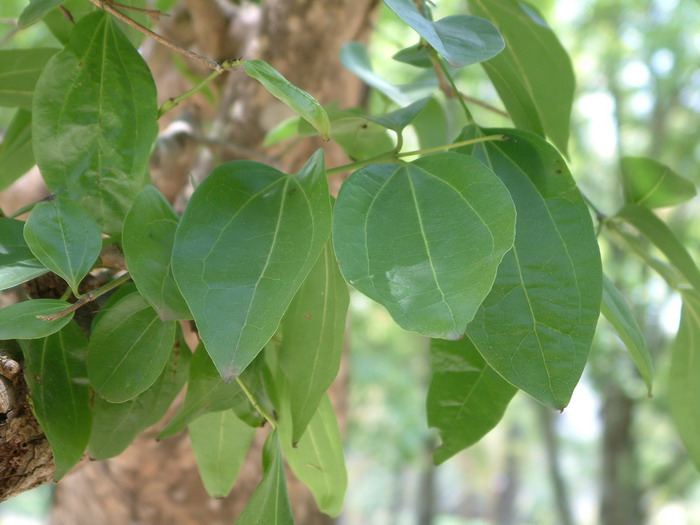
{"type": "Point", "coordinates": [308, 316]}
{"type": "Point", "coordinates": [364, 126]}
{"type": "Point", "coordinates": [291, 192]}
{"type": "Point", "coordinates": [557, 172]}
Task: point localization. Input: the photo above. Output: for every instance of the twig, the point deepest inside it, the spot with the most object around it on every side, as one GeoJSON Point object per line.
{"type": "Point", "coordinates": [484, 105]}
{"type": "Point", "coordinates": [153, 13]}
{"type": "Point", "coordinates": [253, 401]}
{"type": "Point", "coordinates": [67, 14]}
{"type": "Point", "coordinates": [468, 142]}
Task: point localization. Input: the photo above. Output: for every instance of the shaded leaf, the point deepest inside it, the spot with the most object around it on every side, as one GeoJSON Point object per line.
{"type": "Point", "coordinates": [466, 398]}
{"type": "Point", "coordinates": [399, 119]}
{"type": "Point", "coordinates": [424, 239]}
{"type": "Point", "coordinates": [16, 155]}
{"type": "Point", "coordinates": [247, 240]}
{"type": "Point", "coordinates": [416, 55]}
{"type": "Point", "coordinates": [17, 262]}
{"type": "Point", "coordinates": [59, 25]}
{"type": "Point", "coordinates": [19, 71]}
{"type": "Point", "coordinates": [650, 183]}
{"type": "Point", "coordinates": [36, 10]}
{"type": "Point", "coordinates": [19, 320]}
{"type": "Point", "coordinates": [55, 372]}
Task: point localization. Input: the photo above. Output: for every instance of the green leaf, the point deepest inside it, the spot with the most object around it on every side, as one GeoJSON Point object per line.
{"type": "Point", "coordinates": [318, 460]}
{"type": "Point", "coordinates": [416, 55]}
{"type": "Point", "coordinates": [19, 320]}
{"type": "Point", "coordinates": [650, 183]}
{"type": "Point", "coordinates": [19, 71]}
{"type": "Point", "coordinates": [424, 239]}
{"type": "Point", "coordinates": [247, 240]}
{"type": "Point", "coordinates": [431, 126]}
{"type": "Point", "coordinates": [220, 442]}
{"type": "Point", "coordinates": [533, 75]}
{"type": "Point", "coordinates": [115, 425]}
{"type": "Point", "coordinates": [128, 349]}
{"type": "Point", "coordinates": [664, 239]}
{"type": "Point", "coordinates": [361, 138]}
{"type": "Point", "coordinates": [147, 240]}
{"type": "Point", "coordinates": [65, 239]}
{"type": "Point", "coordinates": [460, 39]}
{"type": "Point", "coordinates": [59, 25]}
{"type": "Point", "coordinates": [536, 326]}
{"type": "Point", "coordinates": [16, 155]}
{"type": "Point", "coordinates": [36, 10]}
{"type": "Point", "coordinates": [297, 99]}
{"type": "Point", "coordinates": [269, 504]}
{"type": "Point", "coordinates": [399, 119]}
{"type": "Point", "coordinates": [312, 339]}
{"type": "Point", "coordinates": [616, 310]}
{"type": "Point", "coordinates": [684, 387]}
{"type": "Point", "coordinates": [466, 398]}
{"type": "Point", "coordinates": [55, 372]}
{"type": "Point", "coordinates": [94, 121]}
{"type": "Point", "coordinates": [17, 262]}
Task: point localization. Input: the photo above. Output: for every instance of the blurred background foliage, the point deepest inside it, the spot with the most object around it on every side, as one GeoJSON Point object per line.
{"type": "Point", "coordinates": [613, 456]}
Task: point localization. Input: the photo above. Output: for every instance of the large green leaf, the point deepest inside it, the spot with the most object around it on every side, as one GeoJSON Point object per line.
{"type": "Point", "coordinates": [269, 504]}
{"type": "Point", "coordinates": [654, 229]}
{"type": "Point", "coordinates": [128, 350]}
{"type": "Point", "coordinates": [650, 183]}
{"type": "Point", "coordinates": [55, 372]}
{"type": "Point", "coordinates": [684, 387]}
{"type": "Point", "coordinates": [424, 239]}
{"type": "Point", "coordinates": [460, 39]}
{"type": "Point", "coordinates": [533, 75]}
{"type": "Point", "coordinates": [616, 310]}
{"type": "Point", "coordinates": [19, 71]}
{"type": "Point", "coordinates": [317, 459]}
{"type": "Point", "coordinates": [17, 262]}
{"type": "Point", "coordinates": [36, 10]}
{"type": "Point", "coordinates": [65, 239]}
{"type": "Point", "coordinates": [466, 398]}
{"type": "Point", "coordinates": [94, 121]}
{"type": "Point", "coordinates": [297, 99]}
{"type": "Point", "coordinates": [147, 240]}
{"type": "Point", "coordinates": [248, 237]}
{"type": "Point", "coordinates": [312, 339]}
{"type": "Point", "coordinates": [115, 425]}
{"type": "Point", "coordinates": [220, 442]}
{"type": "Point", "coordinates": [16, 155]}
{"type": "Point", "coordinates": [535, 327]}
{"type": "Point", "coordinates": [19, 320]}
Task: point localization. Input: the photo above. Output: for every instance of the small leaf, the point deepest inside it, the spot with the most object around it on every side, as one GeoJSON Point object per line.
{"type": "Point", "coordinates": [533, 75]}
{"type": "Point", "coordinates": [684, 387]}
{"type": "Point", "coordinates": [312, 341]}
{"type": "Point", "coordinates": [247, 240]}
{"type": "Point", "coordinates": [424, 239]}
{"type": "Point", "coordinates": [269, 504]}
{"type": "Point", "coordinates": [460, 39]}
{"type": "Point", "coordinates": [618, 313]}
{"type": "Point", "coordinates": [55, 373]}
{"type": "Point", "coordinates": [65, 238]}
{"type": "Point", "coordinates": [16, 155]}
{"type": "Point", "coordinates": [36, 10]}
{"type": "Point", "coordinates": [536, 326]}
{"type": "Point", "coordinates": [466, 398]}
{"type": "Point", "coordinates": [431, 125]}
{"type": "Point", "coordinates": [128, 349]}
{"type": "Point", "coordinates": [361, 138]}
{"type": "Point", "coordinates": [416, 55]}
{"type": "Point", "coordinates": [17, 262]}
{"type": "Point", "coordinates": [60, 26]}
{"type": "Point", "coordinates": [317, 460]}
{"type": "Point", "coordinates": [116, 425]}
{"type": "Point", "coordinates": [19, 320]}
{"type": "Point", "coordinates": [297, 99]}
{"type": "Point", "coordinates": [19, 71]}
{"type": "Point", "coordinates": [220, 442]}
{"type": "Point", "coordinates": [94, 121]}
{"type": "Point", "coordinates": [650, 183]}
{"type": "Point", "coordinates": [399, 119]}
{"type": "Point", "coordinates": [147, 240]}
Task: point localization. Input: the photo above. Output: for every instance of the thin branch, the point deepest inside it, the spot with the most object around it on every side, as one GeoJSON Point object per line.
{"type": "Point", "coordinates": [253, 401]}
{"type": "Point", "coordinates": [484, 105]}
{"type": "Point", "coordinates": [468, 142]}
{"type": "Point", "coordinates": [153, 13]}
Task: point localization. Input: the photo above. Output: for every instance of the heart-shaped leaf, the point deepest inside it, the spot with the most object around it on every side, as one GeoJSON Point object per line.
{"type": "Point", "coordinates": [17, 262]}
{"type": "Point", "coordinates": [650, 183]}
{"type": "Point", "coordinates": [424, 239]}
{"type": "Point", "coordinates": [20, 321]}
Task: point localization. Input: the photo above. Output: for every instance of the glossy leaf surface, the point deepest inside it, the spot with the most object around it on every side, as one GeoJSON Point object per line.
{"type": "Point", "coordinates": [19, 71]}
{"type": "Point", "coordinates": [533, 75]}
{"type": "Point", "coordinates": [650, 183]}
{"type": "Point", "coordinates": [297, 99]}
{"type": "Point", "coordinates": [56, 375]}
{"type": "Point", "coordinates": [312, 341]}
{"type": "Point", "coordinates": [466, 398]}
{"type": "Point", "coordinates": [460, 39]}
{"type": "Point", "coordinates": [424, 239]}
{"type": "Point", "coordinates": [536, 326]}
{"type": "Point", "coordinates": [65, 239]}
{"type": "Point", "coordinates": [97, 151]}
{"type": "Point", "coordinates": [147, 240]}
{"type": "Point", "coordinates": [116, 425]}
{"type": "Point", "coordinates": [19, 320]}
{"type": "Point", "coordinates": [220, 442]}
{"type": "Point", "coordinates": [17, 262]}
{"type": "Point", "coordinates": [128, 350]}
{"type": "Point", "coordinates": [36, 10]}
{"type": "Point", "coordinates": [16, 155]}
{"type": "Point", "coordinates": [247, 240]}
{"type": "Point", "coordinates": [616, 310]}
